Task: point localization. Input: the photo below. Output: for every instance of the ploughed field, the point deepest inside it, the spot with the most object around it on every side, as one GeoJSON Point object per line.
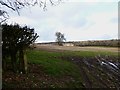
{"type": "Point", "coordinates": [68, 67]}
{"type": "Point", "coordinates": [77, 48]}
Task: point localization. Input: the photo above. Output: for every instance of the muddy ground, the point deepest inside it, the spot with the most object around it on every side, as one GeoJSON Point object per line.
{"type": "Point", "coordinates": [99, 71]}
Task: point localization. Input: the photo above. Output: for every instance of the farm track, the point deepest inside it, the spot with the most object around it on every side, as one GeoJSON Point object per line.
{"type": "Point", "coordinates": [95, 74]}
{"type": "Point", "coordinates": [75, 48]}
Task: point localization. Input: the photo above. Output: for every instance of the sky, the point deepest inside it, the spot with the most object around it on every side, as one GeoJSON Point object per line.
{"type": "Point", "coordinates": [78, 20]}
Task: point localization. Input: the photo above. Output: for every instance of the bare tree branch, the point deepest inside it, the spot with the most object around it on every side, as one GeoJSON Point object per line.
{"type": "Point", "coordinates": [3, 16]}
{"type": "Point", "coordinates": [16, 5]}
{"type": "Point", "coordinates": [1, 2]}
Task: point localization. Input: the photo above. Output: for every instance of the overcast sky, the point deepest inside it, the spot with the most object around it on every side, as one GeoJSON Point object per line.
{"type": "Point", "coordinates": [78, 20]}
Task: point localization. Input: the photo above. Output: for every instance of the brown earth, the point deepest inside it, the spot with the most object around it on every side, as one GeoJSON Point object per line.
{"type": "Point", "coordinates": [75, 48]}
{"type": "Point", "coordinates": [36, 78]}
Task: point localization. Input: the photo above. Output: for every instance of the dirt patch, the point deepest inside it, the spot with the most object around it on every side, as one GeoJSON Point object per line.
{"type": "Point", "coordinates": [37, 78]}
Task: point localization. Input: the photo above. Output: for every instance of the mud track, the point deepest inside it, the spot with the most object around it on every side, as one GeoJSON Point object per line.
{"type": "Point", "coordinates": [98, 72]}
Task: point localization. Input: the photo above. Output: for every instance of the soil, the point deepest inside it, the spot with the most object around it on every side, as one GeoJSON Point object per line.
{"type": "Point", "coordinates": [76, 48]}
{"type": "Point", "coordinates": [37, 78]}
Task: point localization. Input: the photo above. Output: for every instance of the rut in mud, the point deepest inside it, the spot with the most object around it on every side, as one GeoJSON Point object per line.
{"type": "Point", "coordinates": [99, 71]}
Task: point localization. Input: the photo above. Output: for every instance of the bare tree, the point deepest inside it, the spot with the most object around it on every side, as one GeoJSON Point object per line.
{"type": "Point", "coordinates": [60, 38]}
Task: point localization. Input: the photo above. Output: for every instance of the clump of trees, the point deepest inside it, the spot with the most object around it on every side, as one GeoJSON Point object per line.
{"type": "Point", "coordinates": [109, 43]}
{"type": "Point", "coordinates": [16, 40]}
{"type": "Point", "coordinates": [60, 38]}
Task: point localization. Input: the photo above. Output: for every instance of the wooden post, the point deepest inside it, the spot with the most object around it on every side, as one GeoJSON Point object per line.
{"type": "Point", "coordinates": [22, 61]}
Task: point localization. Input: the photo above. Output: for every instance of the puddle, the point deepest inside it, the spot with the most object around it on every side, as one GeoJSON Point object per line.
{"type": "Point", "coordinates": [112, 64]}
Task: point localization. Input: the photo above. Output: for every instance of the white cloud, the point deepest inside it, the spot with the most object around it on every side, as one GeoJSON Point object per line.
{"type": "Point", "coordinates": [99, 26]}
{"type": "Point", "coordinates": [102, 24]}
{"type": "Point", "coordinates": [78, 21]}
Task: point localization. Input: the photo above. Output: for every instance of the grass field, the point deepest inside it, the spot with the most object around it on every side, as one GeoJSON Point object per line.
{"type": "Point", "coordinates": [51, 62]}
{"type": "Point", "coordinates": [53, 69]}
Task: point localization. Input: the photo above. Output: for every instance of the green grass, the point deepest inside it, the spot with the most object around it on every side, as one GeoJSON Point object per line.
{"type": "Point", "coordinates": [92, 53]}
{"type": "Point", "coordinates": [53, 65]}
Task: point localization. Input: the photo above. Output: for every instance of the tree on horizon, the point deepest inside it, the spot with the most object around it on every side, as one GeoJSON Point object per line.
{"type": "Point", "coordinates": [60, 38]}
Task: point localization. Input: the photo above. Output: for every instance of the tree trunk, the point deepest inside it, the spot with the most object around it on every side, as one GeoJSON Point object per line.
{"type": "Point", "coordinates": [4, 66]}
{"type": "Point", "coordinates": [13, 61]}
{"type": "Point", "coordinates": [22, 61]}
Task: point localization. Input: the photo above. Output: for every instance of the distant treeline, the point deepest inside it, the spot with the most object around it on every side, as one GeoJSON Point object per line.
{"type": "Point", "coordinates": [109, 43]}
